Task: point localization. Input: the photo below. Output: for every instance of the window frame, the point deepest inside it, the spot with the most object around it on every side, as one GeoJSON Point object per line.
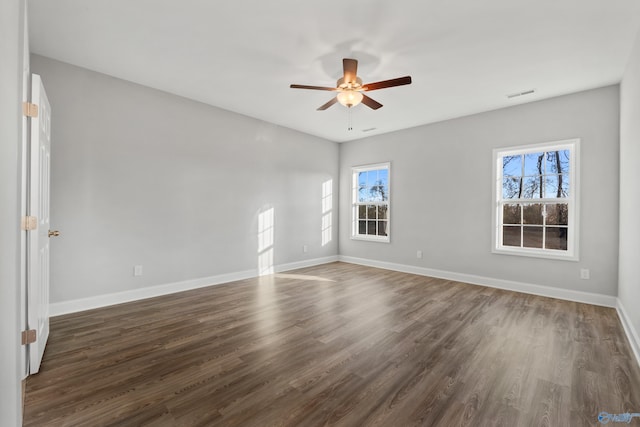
{"type": "Point", "coordinates": [355, 235]}
{"type": "Point", "coordinates": [573, 224]}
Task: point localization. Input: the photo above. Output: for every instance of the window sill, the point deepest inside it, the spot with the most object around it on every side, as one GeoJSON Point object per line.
{"type": "Point", "coordinates": [371, 239]}
{"type": "Point", "coordinates": [534, 253]}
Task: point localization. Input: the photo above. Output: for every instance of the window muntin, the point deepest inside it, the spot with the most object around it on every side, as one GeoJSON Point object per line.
{"type": "Point", "coordinates": [370, 211]}
{"type": "Point", "coordinates": [536, 193]}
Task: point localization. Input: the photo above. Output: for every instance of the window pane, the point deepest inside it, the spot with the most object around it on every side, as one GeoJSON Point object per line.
{"type": "Point", "coordinates": [532, 214]}
{"type": "Point", "coordinates": [511, 188]}
{"type": "Point", "coordinates": [371, 212]}
{"type": "Point", "coordinates": [372, 177]}
{"type": "Point", "coordinates": [556, 186]}
{"type": "Point", "coordinates": [382, 228]}
{"type": "Point", "coordinates": [362, 211]}
{"type": "Point", "coordinates": [362, 187]}
{"type": "Point", "coordinates": [378, 192]}
{"type": "Point", "coordinates": [383, 191]}
{"type": "Point", "coordinates": [383, 180]}
{"type": "Point", "coordinates": [534, 164]}
{"type": "Point", "coordinates": [558, 161]}
{"type": "Point", "coordinates": [362, 227]}
{"type": "Point", "coordinates": [371, 227]}
{"type": "Point", "coordinates": [558, 214]}
{"type": "Point", "coordinates": [511, 236]}
{"type": "Point", "coordinates": [551, 188]}
{"type": "Point", "coordinates": [382, 212]}
{"type": "Point", "coordinates": [512, 165]}
{"type": "Point", "coordinates": [362, 179]}
{"type": "Point", "coordinates": [556, 238]}
{"type": "Point", "coordinates": [511, 214]}
{"type": "Point", "coordinates": [531, 187]}
{"type": "Point", "coordinates": [565, 185]}
{"type": "Point", "coordinates": [372, 195]}
{"type": "Point", "coordinates": [363, 194]}
{"type": "Point", "coordinates": [532, 237]}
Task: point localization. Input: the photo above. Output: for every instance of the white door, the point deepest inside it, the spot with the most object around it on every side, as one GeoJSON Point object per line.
{"type": "Point", "coordinates": [38, 240]}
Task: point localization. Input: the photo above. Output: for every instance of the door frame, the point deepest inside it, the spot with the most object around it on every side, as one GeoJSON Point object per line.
{"type": "Point", "coordinates": [24, 194]}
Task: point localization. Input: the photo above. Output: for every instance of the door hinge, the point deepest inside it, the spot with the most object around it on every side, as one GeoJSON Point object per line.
{"type": "Point", "coordinates": [29, 109]}
{"type": "Point", "coordinates": [29, 223]}
{"type": "Point", "coordinates": [28, 336]}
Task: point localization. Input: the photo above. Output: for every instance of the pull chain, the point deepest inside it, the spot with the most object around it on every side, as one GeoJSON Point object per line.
{"type": "Point", "coordinates": [350, 120]}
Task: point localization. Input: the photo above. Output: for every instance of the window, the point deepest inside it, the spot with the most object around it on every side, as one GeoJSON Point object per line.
{"type": "Point", "coordinates": [536, 190]}
{"type": "Point", "coordinates": [371, 203]}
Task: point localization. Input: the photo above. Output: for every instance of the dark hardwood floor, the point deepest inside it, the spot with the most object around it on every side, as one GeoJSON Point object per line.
{"type": "Point", "coordinates": [338, 344]}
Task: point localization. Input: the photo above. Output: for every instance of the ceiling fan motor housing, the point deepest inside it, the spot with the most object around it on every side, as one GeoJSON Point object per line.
{"type": "Point", "coordinates": [353, 85]}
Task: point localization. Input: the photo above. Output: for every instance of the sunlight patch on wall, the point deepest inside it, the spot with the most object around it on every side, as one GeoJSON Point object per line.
{"type": "Point", "coordinates": [327, 208]}
{"type": "Point", "coordinates": [266, 239]}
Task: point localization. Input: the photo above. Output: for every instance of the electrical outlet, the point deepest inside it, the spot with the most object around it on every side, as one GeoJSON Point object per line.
{"type": "Point", "coordinates": [585, 273]}
{"type": "Point", "coordinates": [305, 249]}
{"type": "Point", "coordinates": [137, 270]}
{"type": "Point", "coordinates": [419, 254]}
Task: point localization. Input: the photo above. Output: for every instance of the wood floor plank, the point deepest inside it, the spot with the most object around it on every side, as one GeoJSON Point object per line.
{"type": "Point", "coordinates": [337, 344]}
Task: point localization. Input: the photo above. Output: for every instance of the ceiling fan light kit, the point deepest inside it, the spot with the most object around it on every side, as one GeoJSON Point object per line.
{"type": "Point", "coordinates": [350, 98]}
{"type": "Point", "coordinates": [350, 88]}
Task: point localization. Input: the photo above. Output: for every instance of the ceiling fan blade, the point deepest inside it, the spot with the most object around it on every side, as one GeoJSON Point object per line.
{"type": "Point", "coordinates": [388, 83]}
{"type": "Point", "coordinates": [328, 104]}
{"type": "Point", "coordinates": [312, 87]}
{"type": "Point", "coordinates": [350, 67]}
{"type": "Point", "coordinates": [371, 103]}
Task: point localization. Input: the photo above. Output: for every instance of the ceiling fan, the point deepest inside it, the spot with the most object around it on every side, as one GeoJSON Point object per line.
{"type": "Point", "coordinates": [350, 87]}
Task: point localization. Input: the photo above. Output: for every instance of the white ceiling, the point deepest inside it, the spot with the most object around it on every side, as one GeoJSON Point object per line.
{"type": "Point", "coordinates": [464, 56]}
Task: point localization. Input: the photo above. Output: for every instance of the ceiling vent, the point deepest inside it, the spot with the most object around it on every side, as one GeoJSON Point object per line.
{"type": "Point", "coordinates": [368, 130]}
{"type": "Point", "coordinates": [526, 92]}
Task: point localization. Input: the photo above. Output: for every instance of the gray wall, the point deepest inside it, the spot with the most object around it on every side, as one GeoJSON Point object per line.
{"type": "Point", "coordinates": [629, 285]}
{"type": "Point", "coordinates": [142, 177]}
{"type": "Point", "coordinates": [441, 191]}
{"type": "Point", "coordinates": [11, 47]}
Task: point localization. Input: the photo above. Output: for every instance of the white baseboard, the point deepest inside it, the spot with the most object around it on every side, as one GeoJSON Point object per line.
{"type": "Point", "coordinates": [527, 288]}
{"type": "Point", "coordinates": [629, 329]}
{"type": "Point", "coordinates": [305, 263]}
{"type": "Point", "coordinates": [73, 306]}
